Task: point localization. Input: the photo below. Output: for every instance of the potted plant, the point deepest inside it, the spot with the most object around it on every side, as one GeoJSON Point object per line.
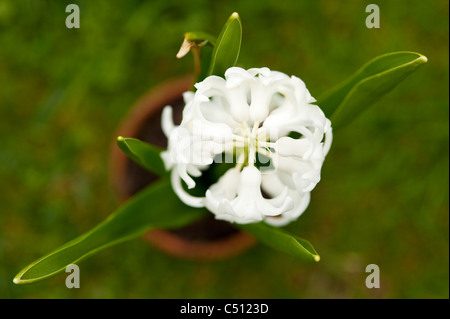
{"type": "Point", "coordinates": [234, 147]}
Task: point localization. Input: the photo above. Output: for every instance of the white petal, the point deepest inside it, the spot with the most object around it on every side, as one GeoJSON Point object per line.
{"type": "Point", "coordinates": [193, 170]}
{"type": "Point", "coordinates": [286, 146]}
{"type": "Point", "coordinates": [226, 186]}
{"type": "Point", "coordinates": [188, 96]}
{"type": "Point", "coordinates": [243, 202]}
{"type": "Point", "coordinates": [259, 106]}
{"type": "Point", "coordinates": [237, 99]}
{"type": "Point", "coordinates": [259, 71]}
{"type": "Point", "coordinates": [167, 121]}
{"type": "Point", "coordinates": [182, 194]}
{"type": "Point", "coordinates": [272, 185]}
{"type": "Point", "coordinates": [328, 139]}
{"type": "Point", "coordinates": [235, 76]}
{"type": "Point", "coordinates": [182, 172]}
{"type": "Point", "coordinates": [215, 110]}
{"type": "Point", "coordinates": [301, 203]}
{"type": "Point", "coordinates": [165, 155]}
{"type": "Point", "coordinates": [307, 181]}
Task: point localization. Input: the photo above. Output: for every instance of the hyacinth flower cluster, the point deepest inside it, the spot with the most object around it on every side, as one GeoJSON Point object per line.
{"type": "Point", "coordinates": [249, 115]}
{"type": "Point", "coordinates": [260, 135]}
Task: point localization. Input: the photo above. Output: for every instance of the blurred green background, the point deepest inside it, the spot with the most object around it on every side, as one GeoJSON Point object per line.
{"type": "Point", "coordinates": [383, 197]}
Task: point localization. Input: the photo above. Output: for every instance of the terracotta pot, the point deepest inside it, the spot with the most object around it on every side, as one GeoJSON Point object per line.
{"type": "Point", "coordinates": [205, 239]}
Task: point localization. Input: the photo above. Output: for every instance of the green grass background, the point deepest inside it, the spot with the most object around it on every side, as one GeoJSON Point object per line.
{"type": "Point", "coordinates": [383, 197]}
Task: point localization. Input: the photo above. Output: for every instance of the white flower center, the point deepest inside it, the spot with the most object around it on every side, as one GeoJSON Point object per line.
{"type": "Point", "coordinates": [248, 143]}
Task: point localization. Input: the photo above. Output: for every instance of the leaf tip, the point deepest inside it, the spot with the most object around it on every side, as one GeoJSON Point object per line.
{"type": "Point", "coordinates": [235, 15]}
{"type": "Point", "coordinates": [16, 280]}
{"type": "Point", "coordinates": [316, 258]}
{"type": "Point", "coordinates": [423, 58]}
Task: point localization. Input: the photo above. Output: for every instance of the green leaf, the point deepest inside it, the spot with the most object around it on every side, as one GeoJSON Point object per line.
{"type": "Point", "coordinates": [282, 241]}
{"type": "Point", "coordinates": [373, 80]}
{"type": "Point", "coordinates": [144, 154]}
{"type": "Point", "coordinates": [205, 57]}
{"type": "Point", "coordinates": [154, 207]}
{"type": "Point", "coordinates": [226, 51]}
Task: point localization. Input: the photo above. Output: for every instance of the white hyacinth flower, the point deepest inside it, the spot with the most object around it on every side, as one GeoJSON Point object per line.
{"type": "Point", "coordinates": [252, 116]}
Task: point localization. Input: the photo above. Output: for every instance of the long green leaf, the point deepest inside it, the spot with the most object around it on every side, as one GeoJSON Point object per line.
{"type": "Point", "coordinates": [154, 207]}
{"type": "Point", "coordinates": [205, 57]}
{"type": "Point", "coordinates": [376, 78]}
{"type": "Point", "coordinates": [144, 154]}
{"type": "Point", "coordinates": [282, 241]}
{"type": "Point", "coordinates": [226, 51]}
